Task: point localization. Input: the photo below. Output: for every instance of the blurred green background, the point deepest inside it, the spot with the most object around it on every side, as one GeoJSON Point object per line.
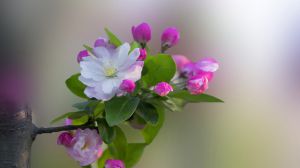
{"type": "Point", "coordinates": [256, 127]}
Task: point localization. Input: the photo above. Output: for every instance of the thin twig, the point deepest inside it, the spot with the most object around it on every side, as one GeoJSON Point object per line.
{"type": "Point", "coordinates": [48, 130]}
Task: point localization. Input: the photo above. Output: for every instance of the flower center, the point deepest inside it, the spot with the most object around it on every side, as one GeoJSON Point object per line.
{"type": "Point", "coordinates": [110, 72]}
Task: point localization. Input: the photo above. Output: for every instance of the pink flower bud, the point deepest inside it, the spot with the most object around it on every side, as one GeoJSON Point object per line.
{"type": "Point", "coordinates": [81, 55]}
{"type": "Point", "coordinates": [143, 54]}
{"type": "Point", "coordinates": [163, 88]}
{"type": "Point", "coordinates": [170, 37]}
{"type": "Point", "coordinates": [181, 61]}
{"type": "Point", "coordinates": [207, 65]}
{"type": "Point", "coordinates": [65, 139]}
{"type": "Point", "coordinates": [141, 33]}
{"type": "Point", "coordinates": [127, 86]}
{"type": "Point", "coordinates": [197, 84]}
{"type": "Point", "coordinates": [110, 163]}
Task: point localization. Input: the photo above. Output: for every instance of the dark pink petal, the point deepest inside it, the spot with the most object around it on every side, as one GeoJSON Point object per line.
{"type": "Point", "coordinates": [81, 55]}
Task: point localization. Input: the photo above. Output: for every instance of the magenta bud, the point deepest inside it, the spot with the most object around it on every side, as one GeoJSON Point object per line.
{"type": "Point", "coordinates": [197, 84]}
{"type": "Point", "coordinates": [127, 86]}
{"type": "Point", "coordinates": [170, 37]}
{"type": "Point", "coordinates": [111, 163]}
{"type": "Point", "coordinates": [65, 139]}
{"type": "Point", "coordinates": [81, 55]}
{"type": "Point", "coordinates": [143, 54]}
{"type": "Point", "coordinates": [141, 33]}
{"type": "Point", "coordinates": [163, 88]}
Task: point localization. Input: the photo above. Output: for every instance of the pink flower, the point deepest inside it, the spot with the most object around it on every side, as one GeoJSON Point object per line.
{"type": "Point", "coordinates": [197, 84]}
{"type": "Point", "coordinates": [110, 163]}
{"type": "Point", "coordinates": [81, 55]}
{"type": "Point", "coordinates": [207, 65]}
{"type": "Point", "coordinates": [141, 33]}
{"type": "Point", "coordinates": [86, 146]}
{"type": "Point", "coordinates": [181, 61]}
{"type": "Point", "coordinates": [163, 88]}
{"type": "Point", "coordinates": [143, 54]}
{"type": "Point", "coordinates": [170, 37]}
{"type": "Point", "coordinates": [65, 139]}
{"type": "Point", "coordinates": [127, 86]}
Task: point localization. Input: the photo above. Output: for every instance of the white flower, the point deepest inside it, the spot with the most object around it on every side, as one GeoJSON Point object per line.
{"type": "Point", "coordinates": [104, 71]}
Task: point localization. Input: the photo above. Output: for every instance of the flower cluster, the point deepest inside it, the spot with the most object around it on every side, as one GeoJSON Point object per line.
{"type": "Point", "coordinates": [125, 82]}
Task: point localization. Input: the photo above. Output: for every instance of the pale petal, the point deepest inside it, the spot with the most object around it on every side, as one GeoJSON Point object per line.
{"type": "Point", "coordinates": [133, 72]}
{"type": "Point", "coordinates": [208, 65]}
{"type": "Point", "coordinates": [131, 59]}
{"type": "Point", "coordinates": [91, 69]}
{"type": "Point", "coordinates": [88, 82]}
{"type": "Point", "coordinates": [122, 54]}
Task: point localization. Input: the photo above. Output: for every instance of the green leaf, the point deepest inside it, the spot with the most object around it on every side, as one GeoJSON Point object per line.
{"type": "Point", "coordinates": [148, 112]}
{"type": "Point", "coordinates": [88, 48]}
{"type": "Point", "coordinates": [173, 104]}
{"type": "Point", "coordinates": [119, 109]}
{"type": "Point", "coordinates": [106, 132]}
{"type": "Point", "coordinates": [118, 147]}
{"type": "Point", "coordinates": [150, 131]}
{"type": "Point", "coordinates": [106, 155]}
{"type": "Point", "coordinates": [113, 39]}
{"type": "Point", "coordinates": [89, 166]}
{"type": "Point", "coordinates": [158, 68]}
{"type": "Point", "coordinates": [134, 153]}
{"type": "Point", "coordinates": [71, 115]}
{"type": "Point", "coordinates": [76, 86]}
{"type": "Point", "coordinates": [185, 95]}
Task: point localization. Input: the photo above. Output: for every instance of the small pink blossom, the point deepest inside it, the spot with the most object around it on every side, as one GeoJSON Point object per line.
{"type": "Point", "coordinates": [127, 86]}
{"type": "Point", "coordinates": [81, 55]}
{"type": "Point", "coordinates": [181, 61]}
{"type": "Point", "coordinates": [65, 139]}
{"type": "Point", "coordinates": [141, 33]}
{"type": "Point", "coordinates": [170, 37]}
{"type": "Point", "coordinates": [86, 146]}
{"type": "Point", "coordinates": [163, 88]}
{"type": "Point", "coordinates": [143, 54]}
{"type": "Point", "coordinates": [197, 84]}
{"type": "Point", "coordinates": [110, 163]}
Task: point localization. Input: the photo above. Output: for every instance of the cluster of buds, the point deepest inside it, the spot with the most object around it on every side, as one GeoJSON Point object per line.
{"type": "Point", "coordinates": [142, 34]}
{"type": "Point", "coordinates": [198, 74]}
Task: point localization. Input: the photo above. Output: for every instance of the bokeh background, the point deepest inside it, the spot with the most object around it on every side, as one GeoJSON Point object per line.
{"type": "Point", "coordinates": [256, 42]}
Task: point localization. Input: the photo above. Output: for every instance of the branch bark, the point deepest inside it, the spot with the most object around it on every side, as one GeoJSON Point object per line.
{"type": "Point", "coordinates": [42, 130]}
{"type": "Point", "coordinates": [15, 138]}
